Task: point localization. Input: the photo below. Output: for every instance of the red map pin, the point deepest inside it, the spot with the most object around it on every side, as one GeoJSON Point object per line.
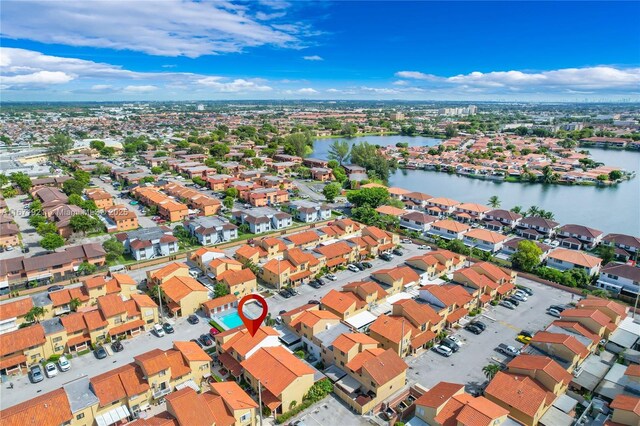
{"type": "Point", "coordinates": [253, 324]}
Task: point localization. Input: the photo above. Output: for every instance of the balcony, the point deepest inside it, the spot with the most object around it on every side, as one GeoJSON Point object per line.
{"type": "Point", "coordinates": [159, 393]}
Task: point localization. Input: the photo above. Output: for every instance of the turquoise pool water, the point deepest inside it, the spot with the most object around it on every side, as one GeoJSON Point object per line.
{"type": "Point", "coordinates": [231, 320]}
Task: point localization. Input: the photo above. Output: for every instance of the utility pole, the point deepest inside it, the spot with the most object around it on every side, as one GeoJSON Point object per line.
{"type": "Point", "coordinates": [402, 338]}
{"type": "Point", "coordinates": [260, 401]}
{"type": "Point", "coordinates": [160, 302]}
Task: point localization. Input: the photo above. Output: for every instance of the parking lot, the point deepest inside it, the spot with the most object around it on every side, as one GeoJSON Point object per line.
{"type": "Point", "coordinates": [143, 221]}
{"type": "Point", "coordinates": [465, 366]}
{"type": "Point", "coordinates": [30, 238]}
{"type": "Point", "coordinates": [330, 411]}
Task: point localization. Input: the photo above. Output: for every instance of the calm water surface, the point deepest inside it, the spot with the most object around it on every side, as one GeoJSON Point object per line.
{"type": "Point", "coordinates": [615, 209]}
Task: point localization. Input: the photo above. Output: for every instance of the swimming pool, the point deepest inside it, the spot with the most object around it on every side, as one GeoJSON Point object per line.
{"type": "Point", "coordinates": [231, 320]}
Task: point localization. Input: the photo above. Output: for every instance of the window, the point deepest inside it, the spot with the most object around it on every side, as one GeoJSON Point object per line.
{"type": "Point", "coordinates": [57, 339]}
{"type": "Point", "coordinates": [80, 416]}
{"type": "Point", "coordinates": [245, 417]}
{"type": "Point", "coordinates": [162, 373]}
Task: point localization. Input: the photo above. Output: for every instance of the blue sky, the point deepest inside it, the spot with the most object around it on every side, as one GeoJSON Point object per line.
{"type": "Point", "coordinates": [274, 49]}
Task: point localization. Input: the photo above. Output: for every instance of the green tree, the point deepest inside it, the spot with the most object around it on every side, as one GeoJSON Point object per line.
{"type": "Point", "coordinates": [299, 144]}
{"type": "Point", "coordinates": [533, 211]}
{"type": "Point", "coordinates": [490, 371]}
{"type": "Point", "coordinates": [34, 314]}
{"type": "Point", "coordinates": [220, 290]}
{"type": "Point", "coordinates": [339, 151]}
{"type": "Point", "coordinates": [331, 191]}
{"type": "Point", "coordinates": [517, 209]}
{"type": "Point", "coordinates": [75, 200]}
{"type": "Point", "coordinates": [349, 130]}
{"type": "Point", "coordinates": [97, 145]}
{"type": "Point", "coordinates": [527, 256]}
{"type": "Point", "coordinates": [494, 201]}
{"type": "Point", "coordinates": [228, 202]}
{"type": "Point", "coordinates": [615, 175]}
{"type": "Point", "coordinates": [114, 249]}
{"type": "Point", "coordinates": [75, 303]}
{"type": "Point", "coordinates": [35, 220]}
{"type": "Point", "coordinates": [86, 268]}
{"type": "Point", "coordinates": [219, 150]}
{"type": "Point", "coordinates": [45, 228]}
{"type": "Point", "coordinates": [73, 186]}
{"type": "Point", "coordinates": [606, 253]}
{"type": "Point", "coordinates": [82, 223]}
{"type": "Point", "coordinates": [548, 175]}
{"type": "Point", "coordinates": [21, 180]}
{"type": "Point", "coordinates": [51, 241]}
{"type": "Point", "coordinates": [232, 192]}
{"type": "Point", "coordinates": [450, 131]}
{"type": "Point", "coordinates": [59, 144]}
{"type": "Point", "coordinates": [365, 214]}
{"type": "Point", "coordinates": [372, 197]}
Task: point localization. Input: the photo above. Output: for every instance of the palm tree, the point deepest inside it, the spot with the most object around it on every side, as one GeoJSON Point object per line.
{"type": "Point", "coordinates": [490, 370]}
{"type": "Point", "coordinates": [533, 211]}
{"type": "Point", "coordinates": [494, 201]}
{"type": "Point", "coordinates": [517, 209]}
{"type": "Point", "coordinates": [35, 314]}
{"type": "Point", "coordinates": [546, 214]}
{"type": "Point", "coordinates": [74, 304]}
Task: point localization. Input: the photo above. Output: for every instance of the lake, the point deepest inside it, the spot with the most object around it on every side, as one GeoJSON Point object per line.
{"type": "Point", "coordinates": [610, 209]}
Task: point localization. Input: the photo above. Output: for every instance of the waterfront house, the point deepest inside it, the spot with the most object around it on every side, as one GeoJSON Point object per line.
{"type": "Point", "coordinates": [448, 229]}
{"type": "Point", "coordinates": [586, 237]}
{"type": "Point", "coordinates": [511, 246]}
{"type": "Point", "coordinates": [415, 200]}
{"type": "Point", "coordinates": [626, 246]}
{"type": "Point", "coordinates": [535, 227]}
{"type": "Point", "coordinates": [620, 278]}
{"type": "Point", "coordinates": [441, 206]}
{"type": "Point", "coordinates": [470, 212]}
{"type": "Point", "coordinates": [505, 217]}
{"type": "Point", "coordinates": [564, 259]}
{"type": "Point", "coordinates": [417, 221]}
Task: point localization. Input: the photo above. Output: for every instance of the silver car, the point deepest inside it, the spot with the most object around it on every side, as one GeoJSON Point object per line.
{"type": "Point", "coordinates": [443, 350]}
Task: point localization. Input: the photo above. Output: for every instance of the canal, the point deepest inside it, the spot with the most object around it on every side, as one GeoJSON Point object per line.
{"type": "Point", "coordinates": [610, 209]}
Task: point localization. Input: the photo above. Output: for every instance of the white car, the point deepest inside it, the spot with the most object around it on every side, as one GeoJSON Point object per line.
{"type": "Point", "coordinates": [157, 328]}
{"type": "Point", "coordinates": [50, 370]}
{"type": "Point", "coordinates": [455, 339]}
{"type": "Point", "coordinates": [443, 350]}
{"type": "Point", "coordinates": [520, 297]}
{"type": "Point", "coordinates": [554, 313]}
{"type": "Point", "coordinates": [406, 240]}
{"type": "Point", "coordinates": [63, 363]}
{"type": "Point", "coordinates": [353, 268]}
{"type": "Point", "coordinates": [424, 247]}
{"type": "Point", "coordinates": [331, 277]}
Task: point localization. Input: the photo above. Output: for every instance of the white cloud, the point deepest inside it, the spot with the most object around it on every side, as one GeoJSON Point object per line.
{"type": "Point", "coordinates": [237, 85]}
{"type": "Point", "coordinates": [380, 90]}
{"type": "Point", "coordinates": [168, 28]}
{"type": "Point", "coordinates": [37, 78]}
{"type": "Point", "coordinates": [603, 78]}
{"type": "Point", "coordinates": [101, 87]}
{"type": "Point", "coordinates": [140, 89]}
{"type": "Point", "coordinates": [307, 91]}
{"type": "Point", "coordinates": [313, 58]}
{"type": "Point", "coordinates": [400, 83]}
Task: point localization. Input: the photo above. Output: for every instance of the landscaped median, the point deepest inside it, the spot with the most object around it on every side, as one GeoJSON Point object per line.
{"type": "Point", "coordinates": [318, 392]}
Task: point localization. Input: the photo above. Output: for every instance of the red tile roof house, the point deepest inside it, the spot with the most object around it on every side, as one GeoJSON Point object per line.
{"type": "Point", "coordinates": [587, 237]}
{"type": "Point", "coordinates": [564, 259]}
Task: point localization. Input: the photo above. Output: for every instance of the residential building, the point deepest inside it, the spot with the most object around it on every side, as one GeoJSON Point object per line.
{"type": "Point", "coordinates": [262, 219]}
{"type": "Point", "coordinates": [120, 219]}
{"type": "Point", "coordinates": [343, 304]}
{"type": "Point", "coordinates": [100, 197]}
{"type": "Point", "coordinates": [211, 229]}
{"type": "Point", "coordinates": [9, 235]}
{"type": "Point", "coordinates": [149, 243]}
{"type": "Point", "coordinates": [417, 221]}
{"type": "Point", "coordinates": [620, 278]}
{"type": "Point", "coordinates": [586, 237]}
{"type": "Point", "coordinates": [504, 217]}
{"type": "Point", "coordinates": [396, 279]}
{"type": "Point", "coordinates": [564, 259]}
{"type": "Point", "coordinates": [309, 211]}
{"type": "Point", "coordinates": [239, 282]}
{"type": "Point", "coordinates": [183, 295]}
{"type": "Point", "coordinates": [484, 240]}
{"type": "Point", "coordinates": [448, 229]}
{"type": "Point", "coordinates": [627, 246]}
{"type": "Point", "coordinates": [535, 228]}
{"type": "Point", "coordinates": [441, 207]}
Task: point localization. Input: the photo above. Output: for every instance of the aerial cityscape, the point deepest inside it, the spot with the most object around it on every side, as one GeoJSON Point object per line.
{"type": "Point", "coordinates": [316, 213]}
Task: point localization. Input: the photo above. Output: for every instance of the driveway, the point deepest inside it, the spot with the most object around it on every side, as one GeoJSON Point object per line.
{"type": "Point", "coordinates": [465, 366]}
{"type": "Point", "coordinates": [30, 237]}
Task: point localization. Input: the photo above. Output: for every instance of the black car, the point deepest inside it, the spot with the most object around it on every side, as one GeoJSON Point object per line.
{"type": "Point", "coordinates": [367, 265]}
{"type": "Point", "coordinates": [450, 344]}
{"type": "Point", "coordinates": [525, 289]}
{"type": "Point", "coordinates": [282, 312]}
{"type": "Point", "coordinates": [26, 249]}
{"type": "Point", "coordinates": [320, 281]}
{"type": "Point", "coordinates": [397, 252]}
{"type": "Point", "coordinates": [205, 339]}
{"type": "Point", "coordinates": [385, 256]}
{"type": "Point", "coordinates": [314, 284]}
{"type": "Point", "coordinates": [482, 326]}
{"type": "Point", "coordinates": [35, 373]}
{"type": "Point", "coordinates": [291, 291]}
{"type": "Point", "coordinates": [193, 319]}
{"type": "Point", "coordinates": [558, 308]}
{"type": "Point", "coordinates": [197, 342]}
{"type": "Point", "coordinates": [313, 302]}
{"type": "Point", "coordinates": [359, 266]}
{"type": "Point", "coordinates": [473, 328]}
{"type": "Point", "coordinates": [54, 288]}
{"type": "Point", "coordinates": [100, 352]}
{"type": "Point", "coordinates": [167, 328]}
{"type": "Point", "coordinates": [116, 346]}
{"type": "Point", "coordinates": [513, 301]}
{"type": "Point", "coordinates": [284, 294]}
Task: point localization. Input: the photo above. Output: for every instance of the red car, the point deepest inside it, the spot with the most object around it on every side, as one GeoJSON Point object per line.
{"type": "Point", "coordinates": [213, 331]}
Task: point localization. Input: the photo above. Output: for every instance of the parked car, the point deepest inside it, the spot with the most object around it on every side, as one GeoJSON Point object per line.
{"type": "Point", "coordinates": [558, 308]}
{"type": "Point", "coordinates": [313, 302]}
{"type": "Point", "coordinates": [507, 304]}
{"type": "Point", "coordinates": [367, 265]}
{"type": "Point", "coordinates": [158, 330]}
{"type": "Point", "coordinates": [213, 331]}
{"type": "Point", "coordinates": [507, 350]}
{"type": "Point", "coordinates": [54, 288]}
{"type": "Point", "coordinates": [168, 328]}
{"type": "Point", "coordinates": [525, 289]}
{"type": "Point", "coordinates": [100, 352]}
{"type": "Point", "coordinates": [353, 268]}
{"type": "Point", "coordinates": [450, 344]}
{"type": "Point", "coordinates": [331, 277]}
{"type": "Point", "coordinates": [553, 313]}
{"type": "Point", "coordinates": [523, 339]}
{"type": "Point", "coordinates": [205, 339]}
{"type": "Point", "coordinates": [320, 281]}
{"type": "Point", "coordinates": [424, 247]}
{"type": "Point", "coordinates": [50, 370]}
{"type": "Point", "coordinates": [480, 325]}
{"type": "Point", "coordinates": [116, 346]}
{"type": "Point", "coordinates": [397, 252]}
{"type": "Point", "coordinates": [359, 266]}
{"type": "Point", "coordinates": [35, 373]}
{"type": "Point", "coordinates": [473, 328]}
{"type": "Point", "coordinates": [282, 312]}
{"type": "Point", "coordinates": [197, 342]}
{"type": "Point", "coordinates": [314, 284]}
{"type": "Point", "coordinates": [520, 297]}
{"type": "Point", "coordinates": [25, 249]}
{"type": "Point", "coordinates": [193, 319]}
{"type": "Point", "coordinates": [526, 333]}
{"type": "Point", "coordinates": [386, 256]}
{"type": "Point", "coordinates": [406, 241]}
{"type": "Point", "coordinates": [443, 350]}
{"type": "Point", "coordinates": [455, 339]}
{"type": "Point", "coordinates": [63, 363]}
{"type": "Point", "coordinates": [284, 294]}
{"type": "Point", "coordinates": [513, 301]}
{"type": "Point", "coordinates": [291, 291]}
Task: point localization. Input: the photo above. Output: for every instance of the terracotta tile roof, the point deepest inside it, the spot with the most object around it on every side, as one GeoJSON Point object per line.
{"type": "Point", "coordinates": [189, 408]}
{"type": "Point", "coordinates": [191, 351]}
{"type": "Point", "coordinates": [176, 288]}
{"type": "Point", "coordinates": [626, 403]}
{"type": "Point", "coordinates": [569, 342]}
{"type": "Point", "coordinates": [277, 267]}
{"type": "Point", "coordinates": [247, 251]}
{"type": "Point", "coordinates": [449, 294]}
{"type": "Point", "coordinates": [15, 308]}
{"type": "Point", "coordinates": [418, 313]}
{"type": "Point", "coordinates": [594, 302]}
{"type": "Point", "coordinates": [143, 301]}
{"type": "Point", "coordinates": [542, 363]}
{"type": "Point", "coordinates": [594, 314]}
{"type": "Point", "coordinates": [480, 412]}
{"type": "Point", "coordinates": [111, 305]}
{"type": "Point", "coordinates": [152, 362]}
{"type": "Point", "coordinates": [243, 342]}
{"type": "Point", "coordinates": [400, 273]}
{"type": "Point", "coordinates": [230, 364]}
{"type": "Point", "coordinates": [576, 327]}
{"type": "Point", "coordinates": [384, 367]}
{"type": "Point", "coordinates": [311, 318]}
{"type": "Point", "coordinates": [334, 250]}
{"type": "Point", "coordinates": [451, 225]}
{"type": "Point", "coordinates": [179, 366]}
{"type": "Point", "coordinates": [233, 395]}
{"type": "Point", "coordinates": [234, 278]}
{"type": "Point", "coordinates": [132, 325]}
{"type": "Point", "coordinates": [219, 301]}
{"type": "Point", "coordinates": [276, 368]}
{"type": "Point", "coordinates": [520, 392]}
{"type": "Point", "coordinates": [391, 211]}
{"type": "Point", "coordinates": [20, 339]}
{"type": "Point", "coordinates": [633, 370]}
{"type": "Point", "coordinates": [167, 270]}
{"type": "Point", "coordinates": [303, 238]}
{"type": "Point", "coordinates": [13, 361]}
{"type": "Point", "coordinates": [161, 419]}
{"type": "Point", "coordinates": [473, 277]}
{"type": "Point", "coordinates": [123, 279]}
{"type": "Point", "coordinates": [339, 301]}
{"type": "Point", "coordinates": [391, 327]}
{"type": "Point", "coordinates": [486, 235]}
{"type": "Point", "coordinates": [119, 383]}
{"type": "Point", "coordinates": [575, 257]}
{"type": "Point", "coordinates": [50, 409]}
{"type": "Point", "coordinates": [439, 394]}
{"type": "Point", "coordinates": [94, 320]}
{"type": "Point", "coordinates": [95, 282]}
{"type": "Point", "coordinates": [299, 309]}
{"type": "Point", "coordinates": [346, 341]}
{"type": "Point", "coordinates": [223, 415]}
